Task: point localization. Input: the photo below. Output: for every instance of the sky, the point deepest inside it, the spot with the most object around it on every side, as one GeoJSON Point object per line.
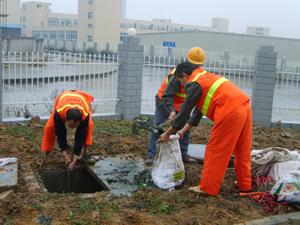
{"type": "Point", "coordinates": [281, 16]}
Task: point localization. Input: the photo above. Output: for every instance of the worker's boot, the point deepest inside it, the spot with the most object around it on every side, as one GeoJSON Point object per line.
{"type": "Point", "coordinates": [196, 189]}
{"type": "Point", "coordinates": [188, 159]}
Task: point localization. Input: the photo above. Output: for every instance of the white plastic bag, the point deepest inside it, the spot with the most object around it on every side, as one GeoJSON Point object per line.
{"type": "Point", "coordinates": [168, 169]}
{"type": "Point", "coordinates": [288, 187]}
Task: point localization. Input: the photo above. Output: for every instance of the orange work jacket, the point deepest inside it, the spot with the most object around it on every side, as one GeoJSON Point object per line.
{"type": "Point", "coordinates": [68, 100]}
{"type": "Point", "coordinates": [219, 96]}
{"type": "Point", "coordinates": [179, 97]}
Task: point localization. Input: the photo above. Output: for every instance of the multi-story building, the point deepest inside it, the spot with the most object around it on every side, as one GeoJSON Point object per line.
{"type": "Point", "coordinates": [10, 18]}
{"type": "Point", "coordinates": [39, 21]}
{"type": "Point", "coordinates": [99, 20]}
{"type": "Point", "coordinates": [259, 31]}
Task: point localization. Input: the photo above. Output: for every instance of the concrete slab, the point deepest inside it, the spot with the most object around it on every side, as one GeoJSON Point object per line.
{"type": "Point", "coordinates": [197, 150]}
{"type": "Point", "coordinates": [8, 173]}
{"type": "Point", "coordinates": [120, 174]}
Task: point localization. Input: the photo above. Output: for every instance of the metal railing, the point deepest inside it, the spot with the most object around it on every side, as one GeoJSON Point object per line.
{"type": "Point", "coordinates": [286, 101]}
{"type": "Point", "coordinates": [236, 68]}
{"type": "Point", "coordinates": [31, 81]}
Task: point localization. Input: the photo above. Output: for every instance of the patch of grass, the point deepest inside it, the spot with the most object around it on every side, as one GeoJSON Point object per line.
{"type": "Point", "coordinates": [112, 127]}
{"type": "Point", "coordinates": [166, 208]}
{"type": "Point", "coordinates": [87, 206]}
{"type": "Point", "coordinates": [21, 131]}
{"type": "Point", "coordinates": [74, 219]}
{"type": "Point", "coordinates": [154, 205]}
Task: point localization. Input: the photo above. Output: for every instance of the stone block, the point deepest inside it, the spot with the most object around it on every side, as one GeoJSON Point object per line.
{"type": "Point", "coordinates": [8, 173]}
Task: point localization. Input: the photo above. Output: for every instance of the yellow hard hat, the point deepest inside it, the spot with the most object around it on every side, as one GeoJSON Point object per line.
{"type": "Point", "coordinates": [196, 56]}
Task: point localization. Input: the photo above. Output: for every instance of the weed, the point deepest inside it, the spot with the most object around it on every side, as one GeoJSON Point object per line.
{"type": "Point", "coordinates": [87, 206]}
{"type": "Point", "coordinates": [37, 206]}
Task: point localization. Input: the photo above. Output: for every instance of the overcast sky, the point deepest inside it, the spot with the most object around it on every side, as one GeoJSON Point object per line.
{"type": "Point", "coordinates": [282, 16]}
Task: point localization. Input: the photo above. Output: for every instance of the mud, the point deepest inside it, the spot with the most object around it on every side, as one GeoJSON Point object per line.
{"type": "Point", "coordinates": [119, 174]}
{"type": "Point", "coordinates": [147, 205]}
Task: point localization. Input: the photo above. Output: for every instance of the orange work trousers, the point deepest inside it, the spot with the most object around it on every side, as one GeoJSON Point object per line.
{"type": "Point", "coordinates": [231, 135]}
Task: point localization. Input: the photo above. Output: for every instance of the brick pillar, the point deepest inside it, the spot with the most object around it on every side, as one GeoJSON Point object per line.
{"type": "Point", "coordinates": [264, 85]}
{"type": "Point", "coordinates": [1, 77]}
{"type": "Point", "coordinates": [131, 59]}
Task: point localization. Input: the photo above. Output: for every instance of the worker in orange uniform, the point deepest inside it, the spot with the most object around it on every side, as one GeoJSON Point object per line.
{"type": "Point", "coordinates": [71, 109]}
{"type": "Point", "coordinates": [228, 107]}
{"type": "Point", "coordinates": [168, 100]}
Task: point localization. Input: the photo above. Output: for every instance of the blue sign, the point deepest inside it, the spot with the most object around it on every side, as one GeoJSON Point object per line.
{"type": "Point", "coordinates": [170, 44]}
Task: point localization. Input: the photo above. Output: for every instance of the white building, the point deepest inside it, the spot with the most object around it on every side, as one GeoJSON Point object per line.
{"type": "Point", "coordinates": [220, 25]}
{"type": "Point", "coordinates": [99, 21]}
{"type": "Point", "coordinates": [259, 31]}
{"type": "Point", "coordinates": [39, 21]}
{"type": "Point", "coordinates": [161, 25]}
{"type": "Point", "coordinates": [13, 13]}
{"type": "Point", "coordinates": [96, 21]}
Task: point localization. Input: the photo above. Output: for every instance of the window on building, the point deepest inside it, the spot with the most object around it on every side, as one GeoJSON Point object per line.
{"type": "Point", "coordinates": [52, 34]}
{"type": "Point", "coordinates": [123, 36]}
{"type": "Point", "coordinates": [91, 2]}
{"type": "Point", "coordinates": [160, 28]}
{"type": "Point", "coordinates": [75, 22]}
{"type": "Point", "coordinates": [143, 27]}
{"type": "Point", "coordinates": [90, 25]}
{"type": "Point", "coordinates": [39, 6]}
{"type": "Point", "coordinates": [62, 22]}
{"type": "Point", "coordinates": [61, 35]}
{"type": "Point", "coordinates": [42, 23]}
{"type": "Point", "coordinates": [45, 34]}
{"type": "Point", "coordinates": [89, 38]}
{"type": "Point", "coordinates": [23, 18]}
{"type": "Point", "coordinates": [90, 15]}
{"type": "Point", "coordinates": [53, 22]}
{"type": "Point", "coordinates": [36, 34]}
{"type": "Point", "coordinates": [123, 25]}
{"type": "Point", "coordinates": [68, 22]}
{"type": "Point", "coordinates": [71, 35]}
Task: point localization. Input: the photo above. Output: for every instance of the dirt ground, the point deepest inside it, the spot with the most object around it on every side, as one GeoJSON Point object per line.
{"type": "Point", "coordinates": [146, 206]}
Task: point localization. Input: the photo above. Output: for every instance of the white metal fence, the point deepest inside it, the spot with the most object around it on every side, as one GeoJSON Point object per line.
{"type": "Point", "coordinates": [286, 101]}
{"type": "Point", "coordinates": [32, 81]}
{"type": "Point", "coordinates": [236, 68]}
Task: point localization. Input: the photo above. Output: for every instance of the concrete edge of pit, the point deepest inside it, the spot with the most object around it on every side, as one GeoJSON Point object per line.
{"type": "Point", "coordinates": [290, 218]}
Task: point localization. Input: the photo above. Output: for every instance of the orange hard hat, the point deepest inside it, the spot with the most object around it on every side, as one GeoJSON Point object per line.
{"type": "Point", "coordinates": [196, 56]}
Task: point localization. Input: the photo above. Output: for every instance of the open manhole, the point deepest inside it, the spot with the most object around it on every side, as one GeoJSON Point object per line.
{"type": "Point", "coordinates": [78, 181]}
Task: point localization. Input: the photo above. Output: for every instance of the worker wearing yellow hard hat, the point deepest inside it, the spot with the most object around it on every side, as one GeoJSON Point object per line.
{"type": "Point", "coordinates": [168, 100]}
{"type": "Point", "coordinates": [196, 56]}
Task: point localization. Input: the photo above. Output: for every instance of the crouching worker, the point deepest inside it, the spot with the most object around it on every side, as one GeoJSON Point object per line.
{"type": "Point", "coordinates": [168, 101]}
{"type": "Point", "coordinates": [228, 107]}
{"type": "Point", "coordinates": [71, 109]}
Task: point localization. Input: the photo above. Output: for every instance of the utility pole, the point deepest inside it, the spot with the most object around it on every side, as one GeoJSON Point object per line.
{"type": "Point", "coordinates": [3, 33]}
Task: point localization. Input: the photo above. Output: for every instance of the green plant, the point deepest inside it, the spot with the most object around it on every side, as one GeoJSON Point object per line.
{"type": "Point", "coordinates": [37, 206]}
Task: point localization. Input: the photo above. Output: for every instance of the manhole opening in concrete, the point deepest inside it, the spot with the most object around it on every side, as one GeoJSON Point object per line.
{"type": "Point", "coordinates": [78, 181]}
